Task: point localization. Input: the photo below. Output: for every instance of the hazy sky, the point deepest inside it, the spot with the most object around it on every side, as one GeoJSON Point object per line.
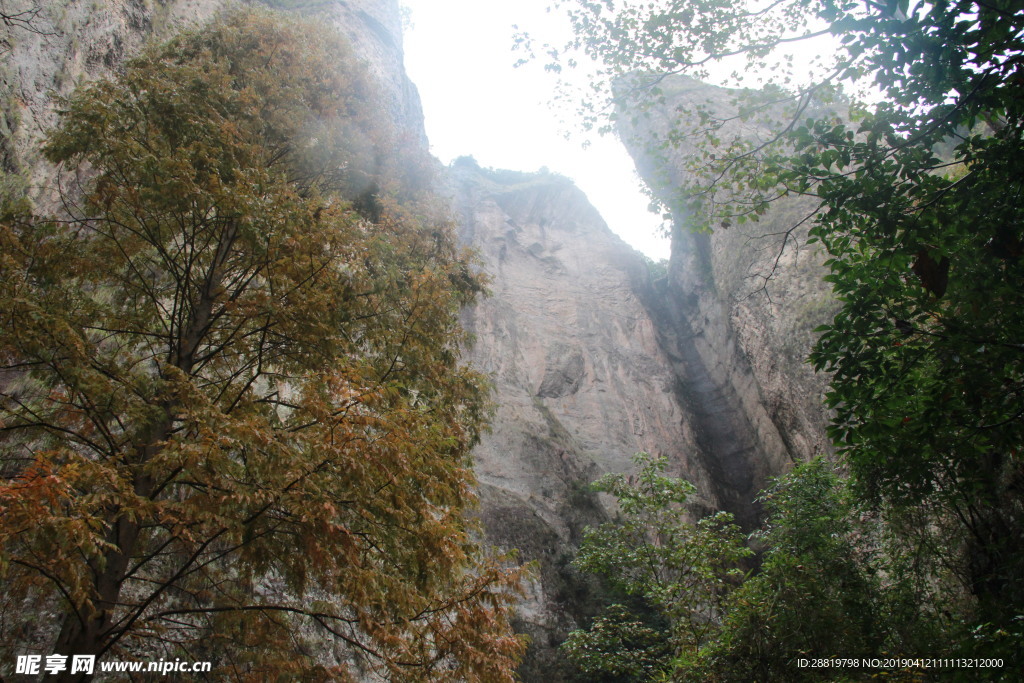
{"type": "Point", "coordinates": [459, 54]}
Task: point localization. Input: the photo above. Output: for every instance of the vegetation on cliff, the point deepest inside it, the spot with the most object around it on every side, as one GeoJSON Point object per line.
{"type": "Point", "coordinates": [234, 422]}
{"type": "Point", "coordinates": [683, 571]}
{"type": "Point", "coordinates": [700, 617]}
{"type": "Point", "coordinates": [919, 212]}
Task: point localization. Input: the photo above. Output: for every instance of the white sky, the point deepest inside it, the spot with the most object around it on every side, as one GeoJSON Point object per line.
{"type": "Point", "coordinates": [459, 54]}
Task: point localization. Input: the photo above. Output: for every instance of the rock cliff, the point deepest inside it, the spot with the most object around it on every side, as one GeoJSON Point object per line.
{"type": "Point", "coordinates": [748, 295]}
{"type": "Point", "coordinates": [582, 380]}
{"type": "Point", "coordinates": [574, 354]}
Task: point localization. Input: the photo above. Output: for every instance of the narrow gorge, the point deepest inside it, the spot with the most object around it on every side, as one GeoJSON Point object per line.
{"type": "Point", "coordinates": [595, 353]}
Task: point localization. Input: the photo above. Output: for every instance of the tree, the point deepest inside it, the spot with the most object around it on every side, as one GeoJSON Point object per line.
{"type": "Point", "coordinates": [233, 416]}
{"type": "Point", "coordinates": [618, 647]}
{"type": "Point", "coordinates": [684, 570]}
{"type": "Point", "coordinates": [918, 212]}
{"type": "Point", "coordinates": [817, 592]}
{"type": "Point", "coordinates": [828, 584]}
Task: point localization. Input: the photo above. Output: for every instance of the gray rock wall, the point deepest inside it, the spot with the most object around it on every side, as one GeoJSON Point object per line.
{"type": "Point", "coordinates": [582, 382]}
{"type": "Point", "coordinates": [574, 354]}
{"type": "Point", "coordinates": [594, 359]}
{"type": "Point", "coordinates": [748, 298]}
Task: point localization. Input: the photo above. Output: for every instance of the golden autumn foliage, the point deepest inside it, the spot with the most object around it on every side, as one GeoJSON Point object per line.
{"type": "Point", "coordinates": [234, 425]}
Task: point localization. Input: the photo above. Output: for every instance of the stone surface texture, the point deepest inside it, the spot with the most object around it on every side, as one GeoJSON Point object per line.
{"type": "Point", "coordinates": [748, 296]}
{"type": "Point", "coordinates": [581, 379]}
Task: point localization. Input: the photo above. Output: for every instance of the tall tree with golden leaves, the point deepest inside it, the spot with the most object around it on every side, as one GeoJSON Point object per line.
{"type": "Point", "coordinates": [234, 419]}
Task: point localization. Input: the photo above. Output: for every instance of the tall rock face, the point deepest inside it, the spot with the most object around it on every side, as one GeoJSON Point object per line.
{"type": "Point", "coordinates": [597, 354]}
{"type": "Point", "coordinates": [747, 297]}
{"type": "Point", "coordinates": [582, 382]}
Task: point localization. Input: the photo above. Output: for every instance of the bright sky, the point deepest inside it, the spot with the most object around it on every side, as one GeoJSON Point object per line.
{"type": "Point", "coordinates": [459, 54]}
